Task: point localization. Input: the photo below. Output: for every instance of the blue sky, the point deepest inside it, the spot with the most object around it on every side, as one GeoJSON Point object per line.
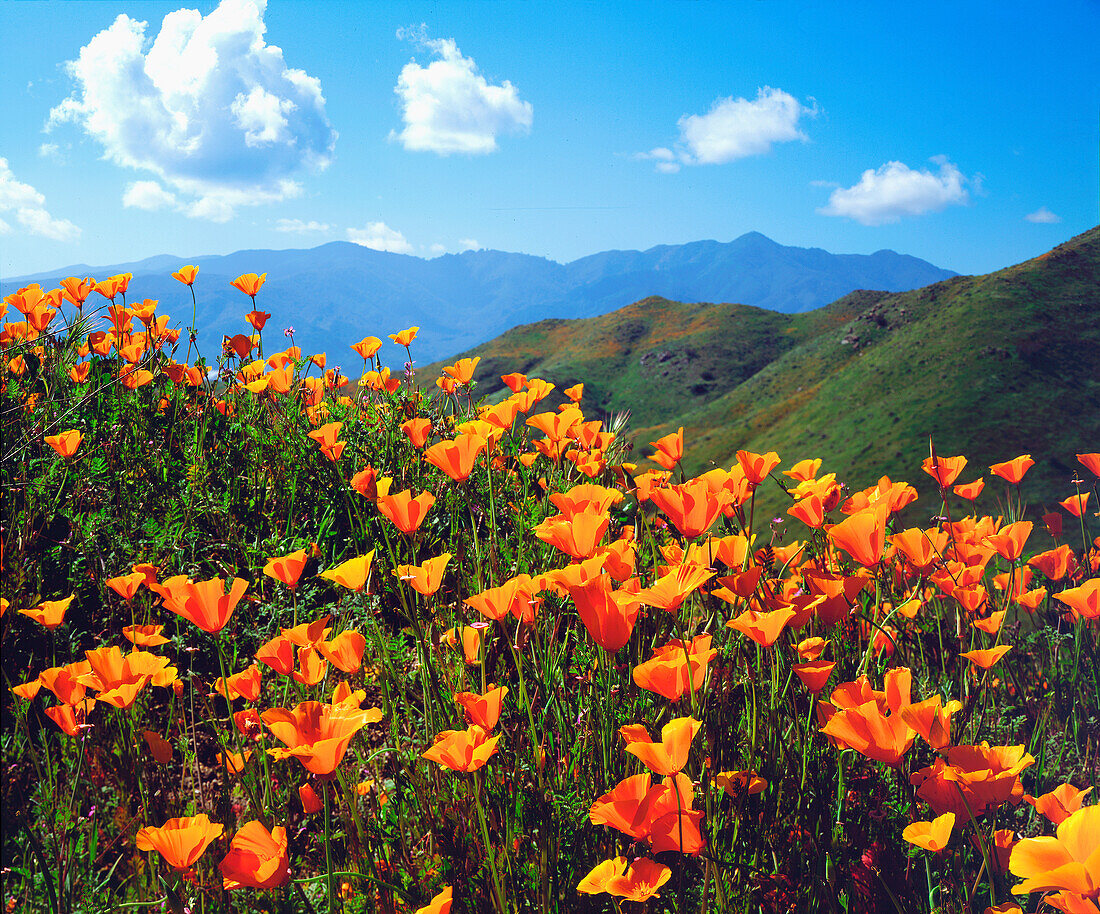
{"type": "Point", "coordinates": [962, 133]}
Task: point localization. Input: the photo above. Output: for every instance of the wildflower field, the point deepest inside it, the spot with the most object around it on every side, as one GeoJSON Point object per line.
{"type": "Point", "coordinates": [284, 636]}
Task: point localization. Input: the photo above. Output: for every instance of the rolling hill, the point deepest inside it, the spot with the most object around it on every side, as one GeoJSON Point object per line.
{"type": "Point", "coordinates": [994, 366]}
{"type": "Point", "coordinates": [337, 293]}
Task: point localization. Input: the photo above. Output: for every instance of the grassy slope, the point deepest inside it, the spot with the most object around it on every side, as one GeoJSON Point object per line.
{"type": "Point", "coordinates": [993, 365]}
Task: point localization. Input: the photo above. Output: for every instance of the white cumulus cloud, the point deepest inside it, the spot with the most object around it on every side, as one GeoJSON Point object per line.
{"type": "Point", "coordinates": [1043, 216]}
{"type": "Point", "coordinates": [894, 190]}
{"type": "Point", "coordinates": [300, 227]}
{"type": "Point", "coordinates": [28, 207]}
{"type": "Point", "coordinates": [468, 244]}
{"type": "Point", "coordinates": [380, 237]}
{"type": "Point", "coordinates": [733, 128]}
{"type": "Point", "coordinates": [448, 106]}
{"type": "Point", "coordinates": [147, 195]}
{"type": "Point", "coordinates": [206, 106]}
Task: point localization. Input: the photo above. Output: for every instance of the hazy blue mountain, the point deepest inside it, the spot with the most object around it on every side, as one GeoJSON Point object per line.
{"type": "Point", "coordinates": [335, 294]}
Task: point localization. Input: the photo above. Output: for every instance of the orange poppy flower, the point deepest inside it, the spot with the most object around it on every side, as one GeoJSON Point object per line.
{"type": "Point", "coordinates": [72, 719]}
{"type": "Point", "coordinates": [1009, 540]}
{"type": "Point", "coordinates": [353, 573]}
{"type": "Point", "coordinates": [208, 605]}
{"type": "Point", "coordinates": [326, 436]}
{"type": "Point", "coordinates": [1070, 861]}
{"type": "Point", "coordinates": [669, 591]}
{"type": "Point", "coordinates": [1058, 805]}
{"type": "Point", "coordinates": [118, 679]}
{"type": "Point", "coordinates": [945, 470]}
{"type": "Point", "coordinates": [1012, 471]}
{"type": "Point", "coordinates": [814, 674]}
{"type": "Point", "coordinates": [595, 883]}
{"type": "Point", "coordinates": [367, 346]}
{"type": "Point", "coordinates": [575, 393]}
{"type": "Point", "coordinates": [862, 535]}
{"type": "Point", "coordinates": [345, 651]}
{"type": "Point", "coordinates": [287, 568]}
{"type": "Point", "coordinates": [427, 578]}
{"type": "Point", "coordinates": [1090, 462]}
{"type": "Point", "coordinates": [463, 370]}
{"type": "Point", "coordinates": [311, 803]}
{"type": "Point", "coordinates": [666, 673]}
{"type": "Point", "coordinates": [659, 814]}
{"type": "Point", "coordinates": [640, 881]}
{"type": "Point", "coordinates": [670, 755]}
{"type": "Point", "coordinates": [126, 585]}
{"type": "Point", "coordinates": [159, 747]}
{"type": "Point", "coordinates": [440, 903]}
{"type": "Point", "coordinates": [973, 779]}
{"type": "Point", "coordinates": [470, 640]}
{"type": "Point", "coordinates": [405, 337]}
{"type": "Point", "coordinates": [515, 381]}
{"type": "Point", "coordinates": [931, 836]}
{"type": "Point", "coordinates": [970, 490]}
{"type": "Point", "coordinates": [257, 858]}
{"type": "Point", "coordinates": [405, 512]}
{"type": "Point", "coordinates": [810, 510]}
{"type": "Point", "coordinates": [483, 710]}
{"type": "Point", "coordinates": [670, 449]}
{"type": "Point", "coordinates": [757, 466]}
{"type": "Point", "coordinates": [417, 430]}
{"type": "Point", "coordinates": [311, 667]}
{"type": "Point", "coordinates": [462, 750]}
{"type": "Point", "coordinates": [608, 616]}
{"type": "Point", "coordinates": [180, 841]}
{"type": "Point", "coordinates": [692, 507]}
{"type": "Point", "coordinates": [144, 635]}
{"type": "Point", "coordinates": [186, 275]}
{"type": "Point", "coordinates": [931, 719]}
{"type": "Point", "coordinates": [513, 596]}
{"type": "Point", "coordinates": [76, 290]}
{"type": "Point", "coordinates": [456, 458]}
{"type": "Point", "coordinates": [278, 653]}
{"type": "Point", "coordinates": [258, 319]}
{"type": "Point", "coordinates": [741, 783]}
{"type": "Point", "coordinates": [249, 283]}
{"type": "Point", "coordinates": [987, 658]}
{"type": "Point", "coordinates": [1083, 601]}
{"type": "Point", "coordinates": [762, 627]}
{"type": "Point", "coordinates": [317, 734]}
{"type": "Point", "coordinates": [65, 443]}
{"type": "Point", "coordinates": [244, 685]}
{"type": "Point", "coordinates": [78, 374]}
{"type": "Point", "coordinates": [577, 536]}
{"type": "Point", "coordinates": [50, 613]}
{"type": "Point", "coordinates": [870, 732]}
{"type": "Point", "coordinates": [1076, 504]}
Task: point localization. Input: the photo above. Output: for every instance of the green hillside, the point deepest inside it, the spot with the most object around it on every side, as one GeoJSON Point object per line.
{"type": "Point", "coordinates": [994, 365]}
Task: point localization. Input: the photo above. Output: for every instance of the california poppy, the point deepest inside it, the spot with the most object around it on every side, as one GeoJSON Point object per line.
{"type": "Point", "coordinates": [180, 841]}
{"type": "Point", "coordinates": [353, 573]}
{"type": "Point", "coordinates": [405, 337]}
{"type": "Point", "coordinates": [1012, 471]}
{"type": "Point", "coordinates": [666, 673]}
{"type": "Point", "coordinates": [670, 449]}
{"type": "Point", "coordinates": [463, 370]}
{"type": "Point", "coordinates": [757, 466]}
{"type": "Point", "coordinates": [987, 658]}
{"type": "Point", "coordinates": [126, 585]}
{"type": "Point", "coordinates": [257, 858]}
{"type": "Point", "coordinates": [1091, 462]}
{"type": "Point", "coordinates": [405, 512]}
{"type": "Point", "coordinates": [317, 734]}
{"type": "Point", "coordinates": [814, 674]}
{"type": "Point", "coordinates": [1058, 805]}
{"type": "Point", "coordinates": [931, 836]}
{"type": "Point", "coordinates": [440, 903]}
{"type": "Point", "coordinates": [144, 635]}
{"type": "Point", "coordinates": [208, 605]}
{"type": "Point", "coordinates": [278, 653]}
{"type": "Point", "coordinates": [456, 458]}
{"type": "Point", "coordinates": [862, 535]}
{"type": "Point", "coordinates": [1083, 601]}
{"type": "Point", "coordinates": [426, 578]}
{"type": "Point", "coordinates": [483, 710]}
{"type": "Point", "coordinates": [762, 627]}
{"type": "Point", "coordinates": [417, 430]}
{"type": "Point", "coordinates": [462, 750]}
{"type": "Point", "coordinates": [367, 346]}
{"type": "Point", "coordinates": [258, 319]}
{"type": "Point", "coordinates": [249, 283]}
{"type": "Point", "coordinates": [186, 275]}
{"type": "Point", "coordinates": [970, 490]}
{"type": "Point", "coordinates": [669, 591]}
{"type": "Point", "coordinates": [1067, 861]}
{"type": "Point", "coordinates": [945, 470]}
{"type": "Point", "coordinates": [973, 779]}
{"type": "Point", "coordinates": [345, 651]}
{"type": "Point", "coordinates": [1076, 504]}
{"type": "Point", "coordinates": [640, 881]}
{"type": "Point", "coordinates": [1010, 539]}
{"type": "Point", "coordinates": [244, 685]}
{"type": "Point", "coordinates": [595, 883]}
{"type": "Point", "coordinates": [286, 568]}
{"type": "Point", "coordinates": [513, 596]}
{"type": "Point", "coordinates": [692, 507]}
{"type": "Point", "coordinates": [65, 443]}
{"type": "Point", "coordinates": [608, 616]}
{"type": "Point", "coordinates": [50, 613]}
{"type": "Point", "coordinates": [670, 755]}
{"type": "Point", "coordinates": [159, 747]}
{"type": "Point", "coordinates": [576, 536]}
{"type": "Point", "coordinates": [741, 783]}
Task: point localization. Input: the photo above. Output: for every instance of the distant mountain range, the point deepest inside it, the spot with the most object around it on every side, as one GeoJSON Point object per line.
{"type": "Point", "coordinates": [992, 366]}
{"type": "Point", "coordinates": [336, 294]}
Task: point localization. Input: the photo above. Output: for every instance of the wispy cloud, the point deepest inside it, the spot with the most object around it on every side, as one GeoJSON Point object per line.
{"type": "Point", "coordinates": [299, 227]}
{"type": "Point", "coordinates": [449, 107]}
{"type": "Point", "coordinates": [207, 107]}
{"type": "Point", "coordinates": [1043, 216]}
{"type": "Point", "coordinates": [148, 195]}
{"type": "Point", "coordinates": [734, 128]}
{"type": "Point", "coordinates": [894, 190]}
{"type": "Point", "coordinates": [27, 206]}
{"type": "Point", "coordinates": [380, 237]}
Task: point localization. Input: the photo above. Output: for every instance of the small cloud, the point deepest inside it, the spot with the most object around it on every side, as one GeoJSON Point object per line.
{"type": "Point", "coordinates": [437, 249]}
{"type": "Point", "coordinates": [28, 207]}
{"type": "Point", "coordinates": [1043, 216]}
{"type": "Point", "coordinates": [448, 106]}
{"type": "Point", "coordinates": [205, 106]}
{"type": "Point", "coordinates": [50, 151]}
{"type": "Point", "coordinates": [298, 227]}
{"type": "Point", "coordinates": [734, 128]}
{"type": "Point", "coordinates": [468, 244]}
{"type": "Point", "coordinates": [148, 195]}
{"type": "Point", "coordinates": [894, 190]}
{"type": "Point", "coordinates": [380, 237]}
{"type": "Point", "coordinates": [5, 229]}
